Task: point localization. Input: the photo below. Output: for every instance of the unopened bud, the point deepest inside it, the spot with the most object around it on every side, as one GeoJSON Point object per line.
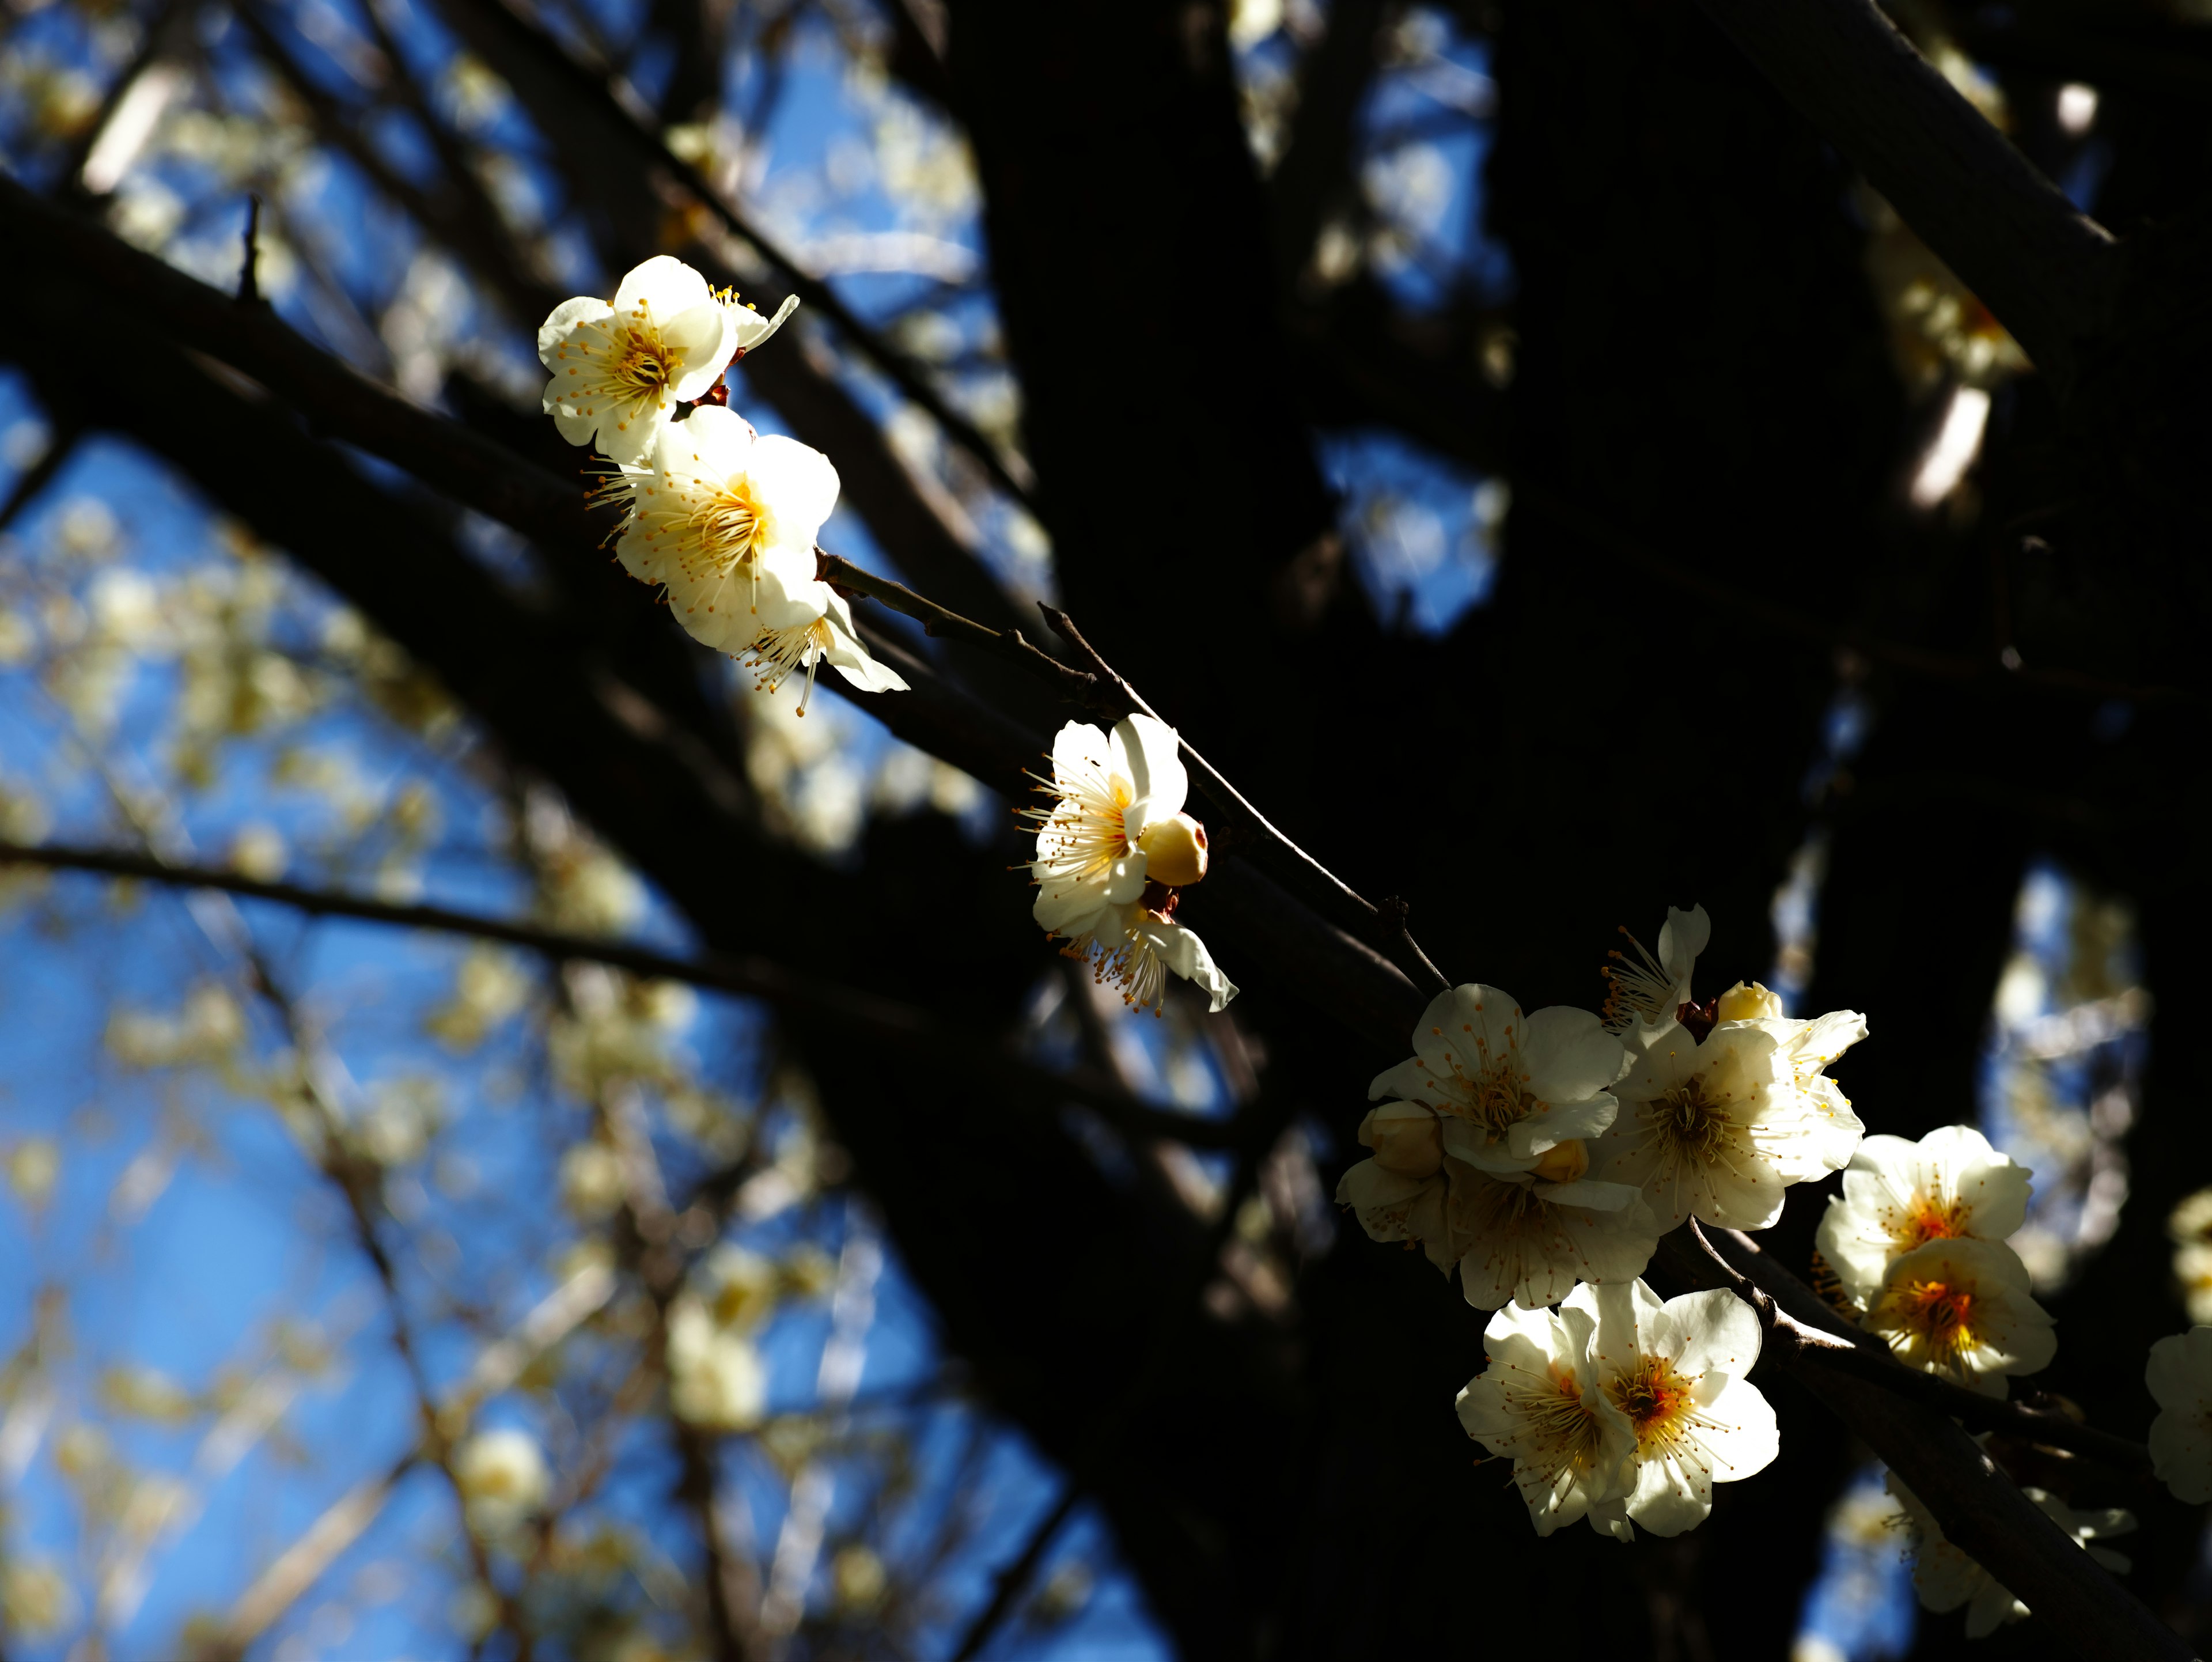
{"type": "Point", "coordinates": [1405, 1138]}
{"type": "Point", "coordinates": [1175, 850]}
{"type": "Point", "coordinates": [1742, 1003]}
{"type": "Point", "coordinates": [1562, 1162]}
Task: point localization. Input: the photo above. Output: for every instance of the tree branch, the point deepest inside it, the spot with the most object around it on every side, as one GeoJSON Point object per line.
{"type": "Point", "coordinates": [498, 24]}
{"type": "Point", "coordinates": [1980, 1510]}
{"type": "Point", "coordinates": [2047, 270]}
{"type": "Point", "coordinates": [747, 976]}
{"type": "Point", "coordinates": [1791, 1344]}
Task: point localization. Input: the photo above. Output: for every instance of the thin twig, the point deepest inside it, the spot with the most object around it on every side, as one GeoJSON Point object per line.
{"type": "Point", "coordinates": [249, 274]}
{"type": "Point", "coordinates": [592, 95]}
{"type": "Point", "coordinates": [1392, 912]}
{"type": "Point", "coordinates": [748, 976]}
{"type": "Point", "coordinates": [1792, 1343]}
{"type": "Point", "coordinates": [1076, 686]}
{"type": "Point", "coordinates": [1354, 910]}
{"type": "Point", "coordinates": [1017, 1575]}
{"type": "Point", "coordinates": [1102, 690]}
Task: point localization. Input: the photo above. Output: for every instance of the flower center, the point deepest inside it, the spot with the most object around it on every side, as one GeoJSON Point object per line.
{"type": "Point", "coordinates": [728, 524]}
{"type": "Point", "coordinates": [1654, 1397]}
{"type": "Point", "coordinates": [646, 367]}
{"type": "Point", "coordinates": [1559, 1423]}
{"type": "Point", "coordinates": [1932, 1220]}
{"type": "Point", "coordinates": [1497, 1097]}
{"type": "Point", "coordinates": [1687, 1122]}
{"type": "Point", "coordinates": [1943, 1314]}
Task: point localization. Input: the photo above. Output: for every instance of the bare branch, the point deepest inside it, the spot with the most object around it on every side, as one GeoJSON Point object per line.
{"type": "Point", "coordinates": [1007, 1586]}
{"type": "Point", "coordinates": [2047, 270]}
{"type": "Point", "coordinates": [749, 977]}
{"type": "Point", "coordinates": [443, 455]}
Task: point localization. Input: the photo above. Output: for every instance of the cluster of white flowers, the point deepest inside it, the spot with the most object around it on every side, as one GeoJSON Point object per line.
{"type": "Point", "coordinates": [1114, 851]}
{"type": "Point", "coordinates": [1621, 1409]}
{"type": "Point", "coordinates": [1536, 1151]}
{"type": "Point", "coordinates": [720, 519]}
{"type": "Point", "coordinates": [1917, 1246]}
{"type": "Point", "coordinates": [716, 1379]}
{"type": "Point", "coordinates": [1543, 1154]}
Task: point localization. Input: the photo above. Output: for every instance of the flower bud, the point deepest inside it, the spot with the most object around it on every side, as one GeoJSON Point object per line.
{"type": "Point", "coordinates": [1562, 1162]}
{"type": "Point", "coordinates": [1405, 1138]}
{"type": "Point", "coordinates": [1175, 850]}
{"type": "Point", "coordinates": [1742, 1003]}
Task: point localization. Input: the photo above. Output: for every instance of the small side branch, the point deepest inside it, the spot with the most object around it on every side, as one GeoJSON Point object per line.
{"type": "Point", "coordinates": [822, 1001]}
{"type": "Point", "coordinates": [1075, 685]}
{"type": "Point", "coordinates": [249, 271]}
{"type": "Point", "coordinates": [1794, 1345]}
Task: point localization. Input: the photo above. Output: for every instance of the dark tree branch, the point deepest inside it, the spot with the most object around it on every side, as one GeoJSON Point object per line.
{"type": "Point", "coordinates": [1793, 1344]}
{"type": "Point", "coordinates": [746, 975]}
{"type": "Point", "coordinates": [1980, 1510]}
{"type": "Point", "coordinates": [2047, 270]}
{"type": "Point", "coordinates": [40, 474]}
{"type": "Point", "coordinates": [1007, 1586]}
{"type": "Point", "coordinates": [497, 25]}
{"type": "Point", "coordinates": [444, 455]}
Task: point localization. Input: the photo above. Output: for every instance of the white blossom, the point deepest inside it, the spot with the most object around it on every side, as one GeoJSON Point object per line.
{"type": "Point", "coordinates": [1946, 1577]}
{"type": "Point", "coordinates": [1537, 1404]}
{"type": "Point", "coordinates": [619, 371]}
{"type": "Point", "coordinates": [502, 1477]}
{"type": "Point", "coordinates": [803, 623]}
{"type": "Point", "coordinates": [1899, 1195]}
{"type": "Point", "coordinates": [1526, 1236]}
{"type": "Point", "coordinates": [1644, 993]}
{"type": "Point", "coordinates": [1706, 1129]}
{"type": "Point", "coordinates": [1114, 851]}
{"type": "Point", "coordinates": [1827, 1132]}
{"type": "Point", "coordinates": [720, 507]}
{"type": "Point", "coordinates": [1673, 1375]}
{"type": "Point", "coordinates": [2180, 1379]}
{"type": "Point", "coordinates": [1516, 1087]}
{"type": "Point", "coordinates": [716, 1380]}
{"type": "Point", "coordinates": [1961, 1308]}
{"type": "Point", "coordinates": [1399, 1193]}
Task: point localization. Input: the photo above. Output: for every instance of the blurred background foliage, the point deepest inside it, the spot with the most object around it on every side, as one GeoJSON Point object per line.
{"type": "Point", "coordinates": [1516, 447]}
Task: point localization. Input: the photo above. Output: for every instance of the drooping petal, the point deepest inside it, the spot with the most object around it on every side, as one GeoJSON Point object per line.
{"type": "Point", "coordinates": [1183, 951]}
{"type": "Point", "coordinates": [751, 329]}
{"type": "Point", "coordinates": [852, 659]}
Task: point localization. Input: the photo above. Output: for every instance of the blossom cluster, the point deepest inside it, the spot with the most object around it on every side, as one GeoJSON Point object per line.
{"type": "Point", "coordinates": [1917, 1246]}
{"type": "Point", "coordinates": [1542, 1155]}
{"type": "Point", "coordinates": [1533, 1150]}
{"type": "Point", "coordinates": [721, 519]}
